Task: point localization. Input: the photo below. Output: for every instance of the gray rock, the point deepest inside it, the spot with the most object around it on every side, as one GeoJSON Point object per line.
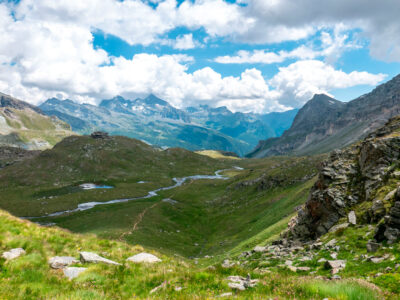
{"type": "Point", "coordinates": [339, 226]}
{"type": "Point", "coordinates": [352, 218]}
{"type": "Point", "coordinates": [331, 243]}
{"type": "Point", "coordinates": [377, 260]}
{"type": "Point", "coordinates": [144, 258]}
{"type": "Point", "coordinates": [13, 253]}
{"type": "Point", "coordinates": [241, 283]}
{"type": "Point", "coordinates": [259, 249]}
{"type": "Point", "coordinates": [335, 264]}
{"type": "Point", "coordinates": [90, 257]}
{"type": "Point", "coordinates": [228, 264]}
{"type": "Point", "coordinates": [60, 262]}
{"type": "Point", "coordinates": [73, 272]}
{"type": "Point", "coordinates": [372, 247]}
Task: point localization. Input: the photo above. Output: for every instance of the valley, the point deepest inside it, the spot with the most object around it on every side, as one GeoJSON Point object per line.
{"type": "Point", "coordinates": [318, 226]}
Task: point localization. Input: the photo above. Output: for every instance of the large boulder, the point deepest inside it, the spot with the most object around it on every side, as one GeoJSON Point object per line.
{"type": "Point", "coordinates": [90, 257]}
{"type": "Point", "coordinates": [144, 258]}
{"type": "Point", "coordinates": [13, 253]}
{"type": "Point", "coordinates": [60, 262]}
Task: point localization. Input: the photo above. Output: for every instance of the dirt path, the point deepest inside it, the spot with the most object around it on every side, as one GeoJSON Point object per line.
{"type": "Point", "coordinates": [138, 221]}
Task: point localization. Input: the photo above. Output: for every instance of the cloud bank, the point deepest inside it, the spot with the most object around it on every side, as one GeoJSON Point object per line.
{"type": "Point", "coordinates": [47, 49]}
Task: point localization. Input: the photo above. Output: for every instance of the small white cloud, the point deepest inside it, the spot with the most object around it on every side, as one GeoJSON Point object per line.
{"type": "Point", "coordinates": [184, 42]}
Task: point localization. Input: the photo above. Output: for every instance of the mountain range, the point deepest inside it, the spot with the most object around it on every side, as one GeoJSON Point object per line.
{"type": "Point", "coordinates": [155, 121]}
{"type": "Point", "coordinates": [324, 123]}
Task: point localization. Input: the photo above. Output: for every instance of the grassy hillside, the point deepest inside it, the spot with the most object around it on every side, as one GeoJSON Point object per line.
{"type": "Point", "coordinates": [50, 182]}
{"type": "Point", "coordinates": [30, 277]}
{"type": "Point", "coordinates": [23, 125]}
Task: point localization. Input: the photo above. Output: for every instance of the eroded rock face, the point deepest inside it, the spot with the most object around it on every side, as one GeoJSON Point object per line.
{"type": "Point", "coordinates": [349, 177]}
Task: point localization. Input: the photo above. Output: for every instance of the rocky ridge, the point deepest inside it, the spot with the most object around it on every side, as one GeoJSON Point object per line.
{"type": "Point", "coordinates": [363, 177]}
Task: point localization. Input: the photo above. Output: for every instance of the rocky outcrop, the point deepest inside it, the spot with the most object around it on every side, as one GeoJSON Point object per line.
{"type": "Point", "coordinates": [352, 176]}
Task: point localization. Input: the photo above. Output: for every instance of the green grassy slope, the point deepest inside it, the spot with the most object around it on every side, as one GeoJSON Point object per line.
{"type": "Point", "coordinates": [30, 277]}
{"type": "Point", "coordinates": [29, 129]}
{"type": "Point", "coordinates": [50, 182]}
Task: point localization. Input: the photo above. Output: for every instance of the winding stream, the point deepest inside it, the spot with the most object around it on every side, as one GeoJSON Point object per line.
{"type": "Point", "coordinates": [178, 182]}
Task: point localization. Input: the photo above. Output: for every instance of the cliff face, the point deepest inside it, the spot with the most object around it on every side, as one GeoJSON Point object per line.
{"type": "Point", "coordinates": [324, 124]}
{"type": "Point", "coordinates": [363, 178]}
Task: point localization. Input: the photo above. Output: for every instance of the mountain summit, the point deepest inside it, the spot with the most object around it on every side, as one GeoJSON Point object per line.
{"type": "Point", "coordinates": [324, 123]}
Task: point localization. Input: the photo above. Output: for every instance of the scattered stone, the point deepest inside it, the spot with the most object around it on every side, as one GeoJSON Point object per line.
{"type": "Point", "coordinates": [292, 268]}
{"type": "Point", "coordinates": [73, 272]}
{"type": "Point", "coordinates": [331, 243]}
{"type": "Point", "coordinates": [335, 265]}
{"type": "Point", "coordinates": [334, 255]}
{"type": "Point", "coordinates": [162, 285]}
{"type": "Point", "coordinates": [60, 262]}
{"type": "Point", "coordinates": [378, 275]}
{"type": "Point", "coordinates": [316, 246]}
{"type": "Point", "coordinates": [336, 277]}
{"type": "Point", "coordinates": [322, 260]}
{"type": "Point", "coordinates": [377, 260]}
{"type": "Point", "coordinates": [339, 226]}
{"type": "Point", "coordinates": [144, 258]}
{"type": "Point", "coordinates": [89, 257]}
{"type": "Point", "coordinates": [352, 218]}
{"type": "Point", "coordinates": [259, 249]}
{"type": "Point", "coordinates": [225, 295]}
{"type": "Point", "coordinates": [388, 269]}
{"type": "Point", "coordinates": [289, 263]}
{"type": "Point", "coordinates": [305, 258]}
{"type": "Point", "coordinates": [241, 283]}
{"type": "Point", "coordinates": [228, 264]}
{"type": "Point", "coordinates": [372, 247]}
{"type": "Point", "coordinates": [13, 253]}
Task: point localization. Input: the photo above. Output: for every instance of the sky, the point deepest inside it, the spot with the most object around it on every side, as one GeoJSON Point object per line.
{"type": "Point", "coordinates": [249, 55]}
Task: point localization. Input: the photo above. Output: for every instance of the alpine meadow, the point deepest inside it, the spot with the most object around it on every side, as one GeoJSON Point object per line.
{"type": "Point", "coordinates": [199, 149]}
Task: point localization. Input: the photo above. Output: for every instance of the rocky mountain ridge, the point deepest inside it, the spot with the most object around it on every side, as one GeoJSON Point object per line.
{"type": "Point", "coordinates": [324, 123]}
{"type": "Point", "coordinates": [363, 178]}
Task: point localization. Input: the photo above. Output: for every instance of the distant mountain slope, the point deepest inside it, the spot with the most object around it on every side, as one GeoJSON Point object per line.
{"type": "Point", "coordinates": [157, 122]}
{"type": "Point", "coordinates": [147, 124]}
{"type": "Point", "coordinates": [324, 123]}
{"type": "Point", "coordinates": [26, 126]}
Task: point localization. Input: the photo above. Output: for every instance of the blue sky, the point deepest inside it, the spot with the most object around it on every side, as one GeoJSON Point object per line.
{"type": "Point", "coordinates": [250, 55]}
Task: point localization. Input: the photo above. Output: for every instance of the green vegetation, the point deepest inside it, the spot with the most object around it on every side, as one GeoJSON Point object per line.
{"type": "Point", "coordinates": [30, 277]}
{"type": "Point", "coordinates": [29, 129]}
